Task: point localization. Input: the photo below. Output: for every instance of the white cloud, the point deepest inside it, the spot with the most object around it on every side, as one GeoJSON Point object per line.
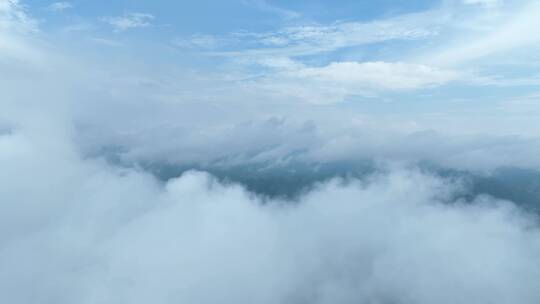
{"type": "Point", "coordinates": [483, 2]}
{"type": "Point", "coordinates": [379, 75]}
{"type": "Point", "coordinates": [264, 5]}
{"type": "Point", "coordinates": [79, 27]}
{"type": "Point", "coordinates": [309, 39]}
{"type": "Point", "coordinates": [60, 6]}
{"type": "Point", "coordinates": [129, 21]}
{"type": "Point", "coordinates": [105, 41]}
{"type": "Point", "coordinates": [16, 29]}
{"type": "Point", "coordinates": [109, 235]}
{"type": "Point", "coordinates": [446, 36]}
{"type": "Point", "coordinates": [506, 32]}
{"type": "Point", "coordinates": [13, 17]}
{"type": "Point", "coordinates": [225, 132]}
{"type": "Point", "coordinates": [198, 41]}
{"type": "Point", "coordinates": [337, 81]}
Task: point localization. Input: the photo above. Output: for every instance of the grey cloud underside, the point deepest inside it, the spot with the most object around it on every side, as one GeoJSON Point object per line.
{"type": "Point", "coordinates": [279, 140]}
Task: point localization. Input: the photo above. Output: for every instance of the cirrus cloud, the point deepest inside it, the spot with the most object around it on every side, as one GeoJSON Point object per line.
{"type": "Point", "coordinates": [129, 21]}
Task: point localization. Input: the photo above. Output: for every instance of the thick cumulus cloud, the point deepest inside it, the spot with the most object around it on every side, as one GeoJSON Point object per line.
{"type": "Point", "coordinates": [80, 231]}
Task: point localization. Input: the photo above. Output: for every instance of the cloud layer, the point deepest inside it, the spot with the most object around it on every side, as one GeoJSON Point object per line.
{"type": "Point", "coordinates": [106, 235]}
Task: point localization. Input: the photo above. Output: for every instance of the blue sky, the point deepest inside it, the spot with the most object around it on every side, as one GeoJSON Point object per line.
{"type": "Point", "coordinates": [314, 33]}
{"type": "Point", "coordinates": [222, 16]}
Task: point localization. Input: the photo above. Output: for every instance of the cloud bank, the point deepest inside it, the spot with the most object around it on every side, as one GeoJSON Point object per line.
{"type": "Point", "coordinates": [81, 231]}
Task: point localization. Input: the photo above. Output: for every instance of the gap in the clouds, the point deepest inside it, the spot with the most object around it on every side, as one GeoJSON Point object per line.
{"type": "Point", "coordinates": [521, 186]}
{"type": "Point", "coordinates": [292, 180]}
{"type": "Point", "coordinates": [273, 181]}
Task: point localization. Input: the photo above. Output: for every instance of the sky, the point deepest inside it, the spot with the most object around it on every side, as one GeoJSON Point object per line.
{"type": "Point", "coordinates": [149, 150]}
{"type": "Point", "coordinates": [461, 74]}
